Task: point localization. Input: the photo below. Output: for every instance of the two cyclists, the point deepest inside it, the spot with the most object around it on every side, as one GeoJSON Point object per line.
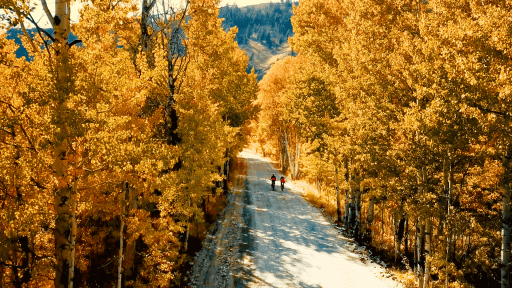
{"type": "Point", "coordinates": [273, 179]}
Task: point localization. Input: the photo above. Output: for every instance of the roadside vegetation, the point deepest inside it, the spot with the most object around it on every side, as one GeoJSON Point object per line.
{"type": "Point", "coordinates": [398, 112]}
{"type": "Point", "coordinates": [115, 147]}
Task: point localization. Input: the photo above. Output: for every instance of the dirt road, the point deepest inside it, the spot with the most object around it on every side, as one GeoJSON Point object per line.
{"type": "Point", "coordinates": [276, 239]}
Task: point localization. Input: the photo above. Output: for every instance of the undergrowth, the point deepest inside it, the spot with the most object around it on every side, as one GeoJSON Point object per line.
{"type": "Point", "coordinates": [213, 207]}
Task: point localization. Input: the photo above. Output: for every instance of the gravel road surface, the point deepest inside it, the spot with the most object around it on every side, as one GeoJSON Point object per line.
{"type": "Point", "coordinates": [276, 239]}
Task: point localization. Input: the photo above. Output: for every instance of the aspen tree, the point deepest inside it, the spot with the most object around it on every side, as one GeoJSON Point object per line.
{"type": "Point", "coordinates": [64, 198]}
{"type": "Point", "coordinates": [23, 171]}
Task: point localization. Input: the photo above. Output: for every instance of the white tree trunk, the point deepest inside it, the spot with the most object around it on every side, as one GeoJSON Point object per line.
{"type": "Point", "coordinates": [347, 196]}
{"type": "Point", "coordinates": [428, 247]}
{"type": "Point", "coordinates": [338, 196]}
{"type": "Point", "coordinates": [145, 37]}
{"type": "Point", "coordinates": [120, 263]}
{"type": "Point", "coordinates": [297, 154]}
{"type": "Point", "coordinates": [357, 212]}
{"type": "Point", "coordinates": [369, 218]}
{"type": "Point", "coordinates": [414, 248]}
{"type": "Point", "coordinates": [287, 153]}
{"type": "Point", "coordinates": [449, 237]}
{"type": "Point", "coordinates": [63, 194]}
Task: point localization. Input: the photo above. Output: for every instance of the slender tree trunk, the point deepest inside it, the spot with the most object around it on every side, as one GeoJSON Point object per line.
{"type": "Point", "coordinates": [126, 190]}
{"type": "Point", "coordinates": [428, 247]}
{"type": "Point", "coordinates": [406, 237]}
{"type": "Point", "coordinates": [383, 207]}
{"type": "Point", "coordinates": [506, 221]}
{"type": "Point", "coordinates": [369, 219]}
{"type": "Point", "coordinates": [351, 208]}
{"type": "Point", "coordinates": [63, 194]}
{"type": "Point", "coordinates": [444, 201]}
{"type": "Point", "coordinates": [347, 197]}
{"type": "Point", "coordinates": [73, 235]}
{"type": "Point", "coordinates": [171, 116]}
{"type": "Point", "coordinates": [62, 232]}
{"type": "Point", "coordinates": [120, 263]}
{"type": "Point", "coordinates": [420, 252]}
{"type": "Point", "coordinates": [129, 251]}
{"type": "Point", "coordinates": [226, 172]}
{"type": "Point", "coordinates": [398, 229]}
{"type": "Point", "coordinates": [282, 151]}
{"type": "Point", "coordinates": [338, 196]}
{"type": "Point", "coordinates": [423, 227]}
{"type": "Point", "coordinates": [297, 154]}
{"type": "Point", "coordinates": [287, 151]}
{"type": "Point", "coordinates": [187, 233]}
{"type": "Point", "coordinates": [357, 213]}
{"type": "Point", "coordinates": [414, 247]}
{"type": "Point", "coordinates": [145, 37]}
{"type": "Point", "coordinates": [448, 228]}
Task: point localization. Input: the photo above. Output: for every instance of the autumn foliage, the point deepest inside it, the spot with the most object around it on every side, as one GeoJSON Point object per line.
{"type": "Point", "coordinates": [109, 149]}
{"type": "Point", "coordinates": [400, 110]}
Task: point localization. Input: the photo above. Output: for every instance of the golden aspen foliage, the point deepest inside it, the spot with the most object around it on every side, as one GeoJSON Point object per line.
{"type": "Point", "coordinates": [80, 135]}
{"type": "Point", "coordinates": [420, 136]}
{"type": "Point", "coordinates": [213, 105]}
{"type": "Point", "coordinates": [26, 214]}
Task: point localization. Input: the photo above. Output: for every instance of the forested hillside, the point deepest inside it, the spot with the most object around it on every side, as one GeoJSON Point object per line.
{"type": "Point", "coordinates": [263, 32]}
{"type": "Point", "coordinates": [399, 112]}
{"type": "Point", "coordinates": [114, 152]}
{"type": "Point", "coordinates": [267, 23]}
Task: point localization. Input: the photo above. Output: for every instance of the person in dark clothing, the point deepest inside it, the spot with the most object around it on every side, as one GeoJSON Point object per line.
{"type": "Point", "coordinates": [273, 178]}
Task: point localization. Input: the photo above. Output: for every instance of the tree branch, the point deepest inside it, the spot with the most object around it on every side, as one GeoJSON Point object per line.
{"type": "Point", "coordinates": [37, 184]}
{"type": "Point", "coordinates": [34, 47]}
{"type": "Point", "coordinates": [487, 110]}
{"type": "Point", "coordinates": [39, 29]}
{"type": "Point", "coordinates": [28, 138]}
{"type": "Point", "coordinates": [48, 14]}
{"type": "Point", "coordinates": [74, 42]}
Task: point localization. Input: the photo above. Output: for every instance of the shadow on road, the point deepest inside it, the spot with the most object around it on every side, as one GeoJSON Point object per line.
{"type": "Point", "coordinates": [293, 243]}
{"type": "Point", "coordinates": [244, 273]}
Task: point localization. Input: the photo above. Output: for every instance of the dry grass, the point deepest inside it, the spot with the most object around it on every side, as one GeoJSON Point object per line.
{"type": "Point", "coordinates": [326, 200]}
{"type": "Point", "coordinates": [382, 244]}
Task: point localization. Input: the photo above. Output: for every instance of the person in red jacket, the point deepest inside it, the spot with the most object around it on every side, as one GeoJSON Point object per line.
{"type": "Point", "coordinates": [282, 183]}
{"type": "Point", "coordinates": [273, 178]}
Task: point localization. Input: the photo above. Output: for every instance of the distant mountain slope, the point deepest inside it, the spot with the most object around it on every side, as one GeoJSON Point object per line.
{"type": "Point", "coordinates": [263, 32]}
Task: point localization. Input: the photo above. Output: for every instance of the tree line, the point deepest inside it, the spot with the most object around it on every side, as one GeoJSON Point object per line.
{"type": "Point", "coordinates": [401, 111]}
{"type": "Point", "coordinates": [267, 23]}
{"type": "Point", "coordinates": [111, 149]}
